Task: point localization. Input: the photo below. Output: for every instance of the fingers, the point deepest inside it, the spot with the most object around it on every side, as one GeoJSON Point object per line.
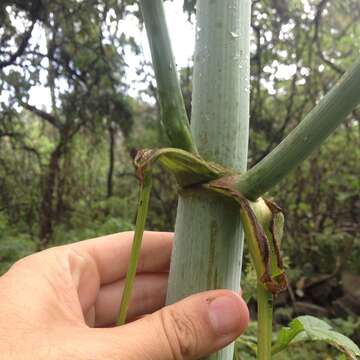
{"type": "Point", "coordinates": [149, 295]}
{"type": "Point", "coordinates": [189, 329]}
{"type": "Point", "coordinates": [78, 271]}
{"type": "Point", "coordinates": [109, 257]}
{"type": "Point", "coordinates": [111, 253]}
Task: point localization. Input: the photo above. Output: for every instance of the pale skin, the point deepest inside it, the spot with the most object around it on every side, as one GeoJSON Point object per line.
{"type": "Point", "coordinates": [62, 303]}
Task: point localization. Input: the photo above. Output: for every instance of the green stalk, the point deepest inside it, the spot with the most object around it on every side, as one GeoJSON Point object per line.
{"type": "Point", "coordinates": [265, 315]}
{"type": "Point", "coordinates": [136, 246]}
{"type": "Point", "coordinates": [305, 138]}
{"type": "Point", "coordinates": [208, 234]}
{"type": "Point", "coordinates": [173, 113]}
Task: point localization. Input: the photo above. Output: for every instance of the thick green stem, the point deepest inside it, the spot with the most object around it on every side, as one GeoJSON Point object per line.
{"type": "Point", "coordinates": [265, 315]}
{"type": "Point", "coordinates": [136, 246]}
{"type": "Point", "coordinates": [173, 113]}
{"type": "Point", "coordinates": [305, 138]}
{"type": "Point", "coordinates": [208, 233]}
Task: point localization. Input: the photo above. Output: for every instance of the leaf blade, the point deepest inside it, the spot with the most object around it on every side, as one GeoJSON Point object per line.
{"type": "Point", "coordinates": [315, 330]}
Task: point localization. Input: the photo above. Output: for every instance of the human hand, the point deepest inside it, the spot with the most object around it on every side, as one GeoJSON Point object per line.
{"type": "Point", "coordinates": [62, 303]}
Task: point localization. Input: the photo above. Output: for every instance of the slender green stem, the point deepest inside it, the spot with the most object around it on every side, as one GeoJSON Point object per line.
{"type": "Point", "coordinates": [173, 113]}
{"type": "Point", "coordinates": [305, 138]}
{"type": "Point", "coordinates": [265, 315]}
{"type": "Point", "coordinates": [136, 246]}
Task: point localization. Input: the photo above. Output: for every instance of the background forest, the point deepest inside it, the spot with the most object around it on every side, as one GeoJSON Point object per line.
{"type": "Point", "coordinates": [66, 170]}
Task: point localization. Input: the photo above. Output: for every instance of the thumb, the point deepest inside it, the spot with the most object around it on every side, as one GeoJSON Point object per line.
{"type": "Point", "coordinates": [189, 329]}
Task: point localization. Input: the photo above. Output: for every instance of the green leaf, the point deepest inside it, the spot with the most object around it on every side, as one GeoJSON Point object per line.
{"type": "Point", "coordinates": [248, 341]}
{"type": "Point", "coordinates": [309, 328]}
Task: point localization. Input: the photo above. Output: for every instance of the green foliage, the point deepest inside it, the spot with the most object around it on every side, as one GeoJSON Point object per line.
{"type": "Point", "coordinates": [13, 245]}
{"type": "Point", "coordinates": [322, 219]}
{"type": "Point", "coordinates": [249, 281]}
{"type": "Point", "coordinates": [309, 328]}
{"type": "Point", "coordinates": [246, 347]}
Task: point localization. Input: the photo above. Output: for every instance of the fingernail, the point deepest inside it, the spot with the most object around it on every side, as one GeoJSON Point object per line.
{"type": "Point", "coordinates": [226, 314]}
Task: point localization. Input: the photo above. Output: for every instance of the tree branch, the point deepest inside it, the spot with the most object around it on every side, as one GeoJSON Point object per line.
{"type": "Point", "coordinates": [42, 114]}
{"type": "Point", "coordinates": [317, 21]}
{"type": "Point", "coordinates": [20, 50]}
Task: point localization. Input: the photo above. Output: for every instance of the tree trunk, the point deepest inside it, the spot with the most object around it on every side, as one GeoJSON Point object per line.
{"type": "Point", "coordinates": [209, 238]}
{"type": "Point", "coordinates": [47, 211]}
{"type": "Point", "coordinates": [110, 174]}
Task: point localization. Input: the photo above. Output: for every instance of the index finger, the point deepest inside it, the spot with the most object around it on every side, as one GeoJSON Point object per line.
{"type": "Point", "coordinates": [111, 253]}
